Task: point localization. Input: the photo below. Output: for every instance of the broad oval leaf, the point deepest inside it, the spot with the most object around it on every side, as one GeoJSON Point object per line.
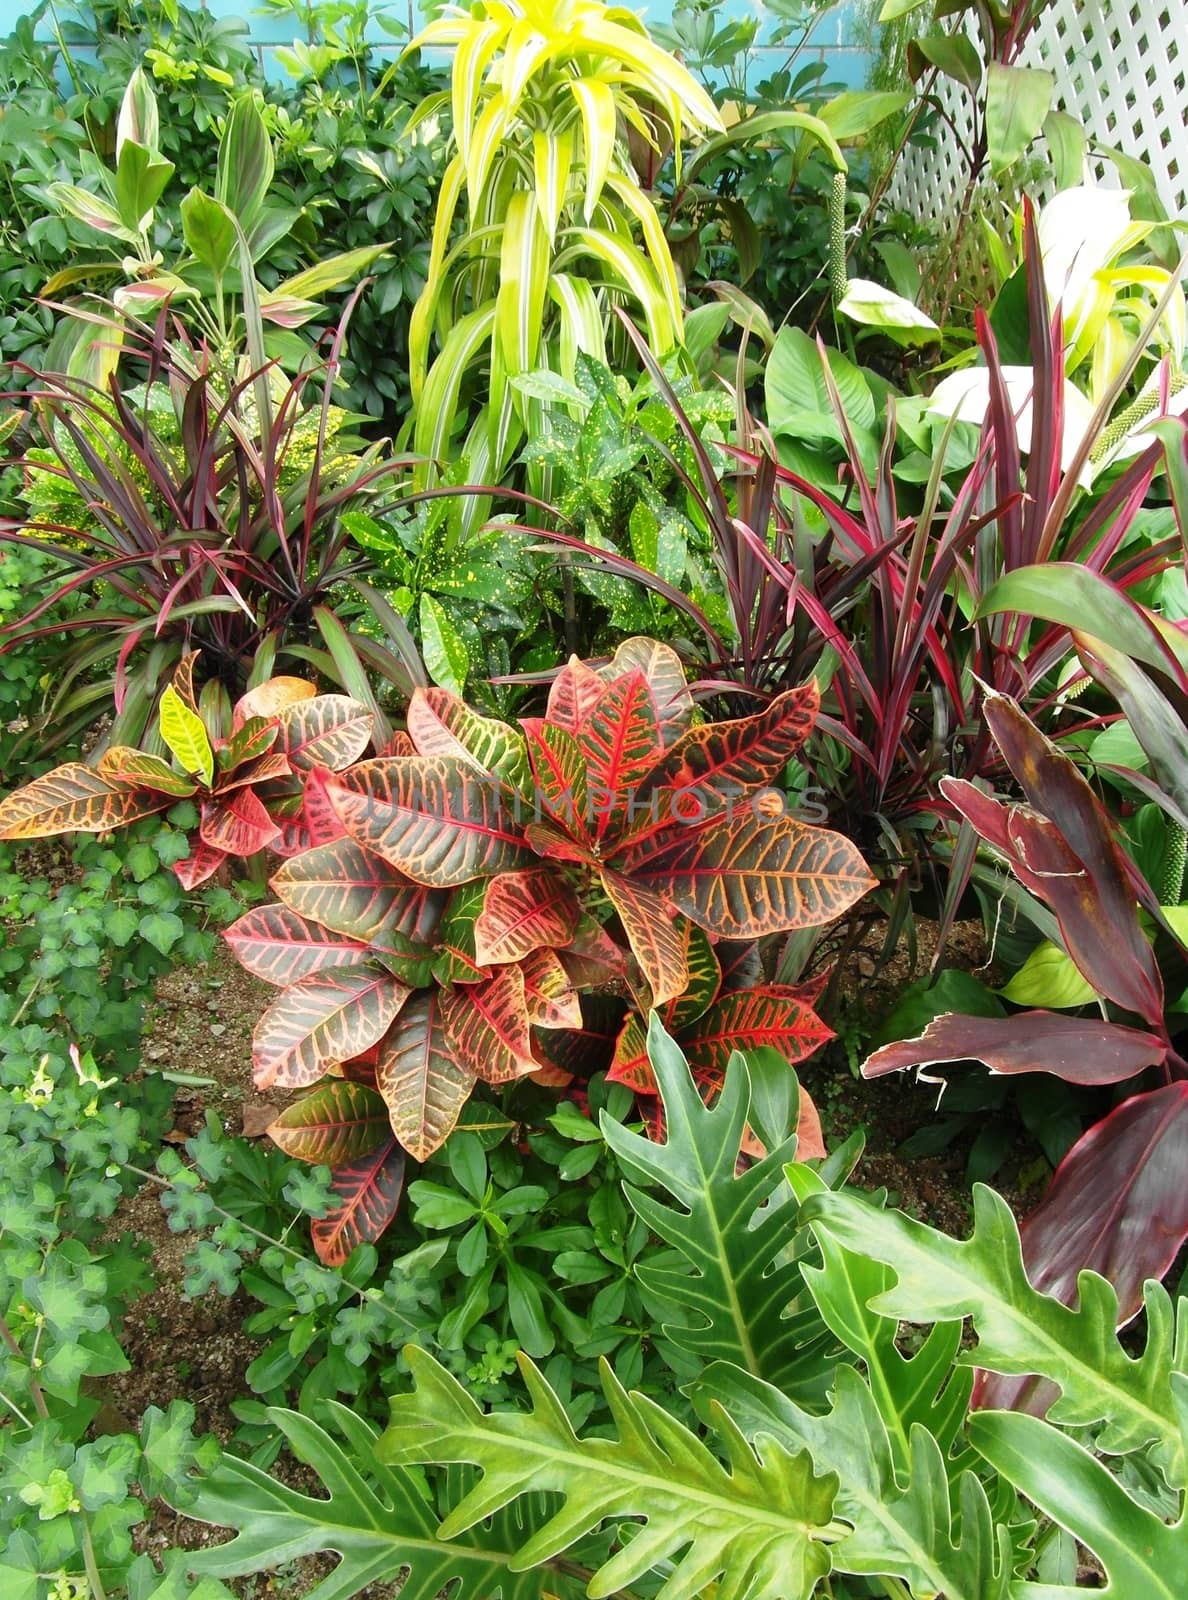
{"type": "Point", "coordinates": [574, 693]}
{"type": "Point", "coordinates": [184, 731]}
{"type": "Point", "coordinates": [422, 1083]}
{"type": "Point", "coordinates": [722, 758]}
{"type": "Point", "coordinates": [367, 1196]}
{"type": "Point", "coordinates": [329, 1017]}
{"type": "Point", "coordinates": [524, 911]}
{"type": "Point", "coordinates": [441, 724]}
{"type": "Point", "coordinates": [237, 824]}
{"type": "Point", "coordinates": [331, 730]}
{"type": "Point", "coordinates": [742, 876]}
{"type": "Point", "coordinates": [335, 1123]}
{"type": "Point", "coordinates": [354, 892]}
{"type": "Point", "coordinates": [74, 799]}
{"type": "Point", "coordinates": [656, 936]}
{"type": "Point", "coordinates": [271, 697]}
{"type": "Point", "coordinates": [1049, 978]}
{"type": "Point", "coordinates": [136, 769]}
{"type": "Point", "coordinates": [432, 817]}
{"type": "Point", "coordinates": [549, 992]}
{"type": "Point", "coordinates": [276, 944]}
{"type": "Point", "coordinates": [488, 1029]}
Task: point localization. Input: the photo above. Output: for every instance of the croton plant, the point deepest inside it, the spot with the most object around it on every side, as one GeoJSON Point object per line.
{"type": "Point", "coordinates": [486, 903]}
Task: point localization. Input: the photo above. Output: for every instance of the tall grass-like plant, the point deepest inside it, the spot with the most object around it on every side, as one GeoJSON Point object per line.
{"type": "Point", "coordinates": [543, 95]}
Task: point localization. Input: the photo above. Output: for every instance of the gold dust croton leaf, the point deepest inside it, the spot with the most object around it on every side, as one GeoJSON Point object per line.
{"type": "Point", "coordinates": [328, 1017]}
{"type": "Point", "coordinates": [434, 818]}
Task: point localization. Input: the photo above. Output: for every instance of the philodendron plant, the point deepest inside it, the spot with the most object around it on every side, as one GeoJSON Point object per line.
{"type": "Point", "coordinates": [828, 1463]}
{"type": "Point", "coordinates": [445, 906]}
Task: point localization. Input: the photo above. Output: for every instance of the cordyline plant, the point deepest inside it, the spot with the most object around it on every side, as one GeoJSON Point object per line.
{"type": "Point", "coordinates": [1118, 1204]}
{"type": "Point", "coordinates": [251, 769]}
{"type": "Point", "coordinates": [485, 878]}
{"type": "Point", "coordinates": [221, 539]}
{"type": "Point", "coordinates": [893, 598]}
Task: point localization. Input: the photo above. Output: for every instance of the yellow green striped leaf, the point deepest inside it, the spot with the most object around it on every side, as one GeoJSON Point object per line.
{"type": "Point", "coordinates": [552, 157]}
{"type": "Point", "coordinates": [471, 60]}
{"type": "Point", "coordinates": [438, 405]}
{"type": "Point", "coordinates": [632, 198]}
{"type": "Point", "coordinates": [185, 733]}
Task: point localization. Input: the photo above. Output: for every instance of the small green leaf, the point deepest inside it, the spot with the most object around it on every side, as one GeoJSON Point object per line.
{"type": "Point", "coordinates": [1049, 977]}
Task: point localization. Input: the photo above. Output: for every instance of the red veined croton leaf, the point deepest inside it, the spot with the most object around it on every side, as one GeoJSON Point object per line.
{"type": "Point", "coordinates": [1084, 1050]}
{"type": "Point", "coordinates": [441, 724]}
{"type": "Point", "coordinates": [619, 742]}
{"type": "Point", "coordinates": [331, 730]}
{"type": "Point", "coordinates": [335, 1123]}
{"type": "Point", "coordinates": [656, 936]}
{"type": "Point", "coordinates": [549, 993]}
{"type": "Point", "coordinates": [559, 770]}
{"type": "Point", "coordinates": [255, 738]}
{"type": "Point", "coordinates": [330, 1016]}
{"type": "Point", "coordinates": [423, 1085]}
{"type": "Point", "coordinates": [432, 817]}
{"type": "Point", "coordinates": [274, 943]}
{"type": "Point", "coordinates": [270, 698]}
{"type": "Point", "coordinates": [135, 769]}
{"type": "Point", "coordinates": [322, 822]}
{"type": "Point", "coordinates": [723, 758]}
{"type": "Point", "coordinates": [183, 680]}
{"type": "Point", "coordinates": [1044, 863]}
{"type": "Point", "coordinates": [574, 692]}
{"type": "Point", "coordinates": [524, 911]}
{"type": "Point", "coordinates": [238, 824]}
{"type": "Point", "coordinates": [704, 981]}
{"type": "Point", "coordinates": [487, 1026]}
{"type": "Point", "coordinates": [749, 1019]}
{"type": "Point", "coordinates": [661, 666]}
{"type": "Point", "coordinates": [74, 799]}
{"type": "Point", "coordinates": [593, 960]}
{"type": "Point", "coordinates": [741, 876]}
{"type": "Point", "coordinates": [548, 841]}
{"type": "Point", "coordinates": [742, 965]}
{"type": "Point", "coordinates": [264, 769]}
{"type": "Point", "coordinates": [630, 1064]}
{"type": "Point", "coordinates": [366, 1198]}
{"type": "Point", "coordinates": [1118, 1205]}
{"type": "Point", "coordinates": [347, 888]}
{"type": "Point", "coordinates": [201, 864]}
{"type": "Point", "coordinates": [454, 958]}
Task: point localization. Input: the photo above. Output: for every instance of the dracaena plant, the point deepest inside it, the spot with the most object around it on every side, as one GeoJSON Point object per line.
{"type": "Point", "coordinates": [543, 93]}
{"type": "Point", "coordinates": [828, 1463]}
{"type": "Point", "coordinates": [219, 530]}
{"type": "Point", "coordinates": [246, 767]}
{"type": "Point", "coordinates": [470, 888]}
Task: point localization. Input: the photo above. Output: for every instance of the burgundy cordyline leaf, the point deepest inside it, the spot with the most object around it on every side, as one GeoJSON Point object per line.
{"type": "Point", "coordinates": [1117, 1205]}
{"type": "Point", "coordinates": [1080, 1050]}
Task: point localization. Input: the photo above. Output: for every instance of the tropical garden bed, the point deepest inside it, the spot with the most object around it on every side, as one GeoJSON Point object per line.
{"type": "Point", "coordinates": [593, 820]}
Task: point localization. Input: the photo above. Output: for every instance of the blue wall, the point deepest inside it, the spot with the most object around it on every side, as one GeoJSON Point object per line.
{"type": "Point", "coordinates": [836, 38]}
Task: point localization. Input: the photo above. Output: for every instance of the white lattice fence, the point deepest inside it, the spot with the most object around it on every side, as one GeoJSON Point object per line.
{"type": "Point", "coordinates": [1121, 68]}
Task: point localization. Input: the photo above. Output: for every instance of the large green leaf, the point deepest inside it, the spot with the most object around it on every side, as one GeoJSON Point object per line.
{"type": "Point", "coordinates": [1142, 1555]}
{"type": "Point", "coordinates": [746, 1297]}
{"type": "Point", "coordinates": [759, 1527]}
{"type": "Point", "coordinates": [245, 163]}
{"type": "Point", "coordinates": [1021, 1331]}
{"type": "Point", "coordinates": [903, 1518]}
{"type": "Point", "coordinates": [1017, 101]}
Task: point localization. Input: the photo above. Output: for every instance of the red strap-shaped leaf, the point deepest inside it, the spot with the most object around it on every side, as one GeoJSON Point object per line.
{"type": "Point", "coordinates": [420, 1078]}
{"type": "Point", "coordinates": [524, 911]}
{"type": "Point", "coordinates": [331, 1016]}
{"type": "Point", "coordinates": [367, 1196]}
{"type": "Point", "coordinates": [336, 1123]}
{"type": "Point", "coordinates": [1084, 1050]}
{"type": "Point", "coordinates": [432, 817]}
{"type": "Point", "coordinates": [276, 944]}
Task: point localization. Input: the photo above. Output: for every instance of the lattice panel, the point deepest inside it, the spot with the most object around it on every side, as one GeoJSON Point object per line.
{"type": "Point", "coordinates": [1121, 69]}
